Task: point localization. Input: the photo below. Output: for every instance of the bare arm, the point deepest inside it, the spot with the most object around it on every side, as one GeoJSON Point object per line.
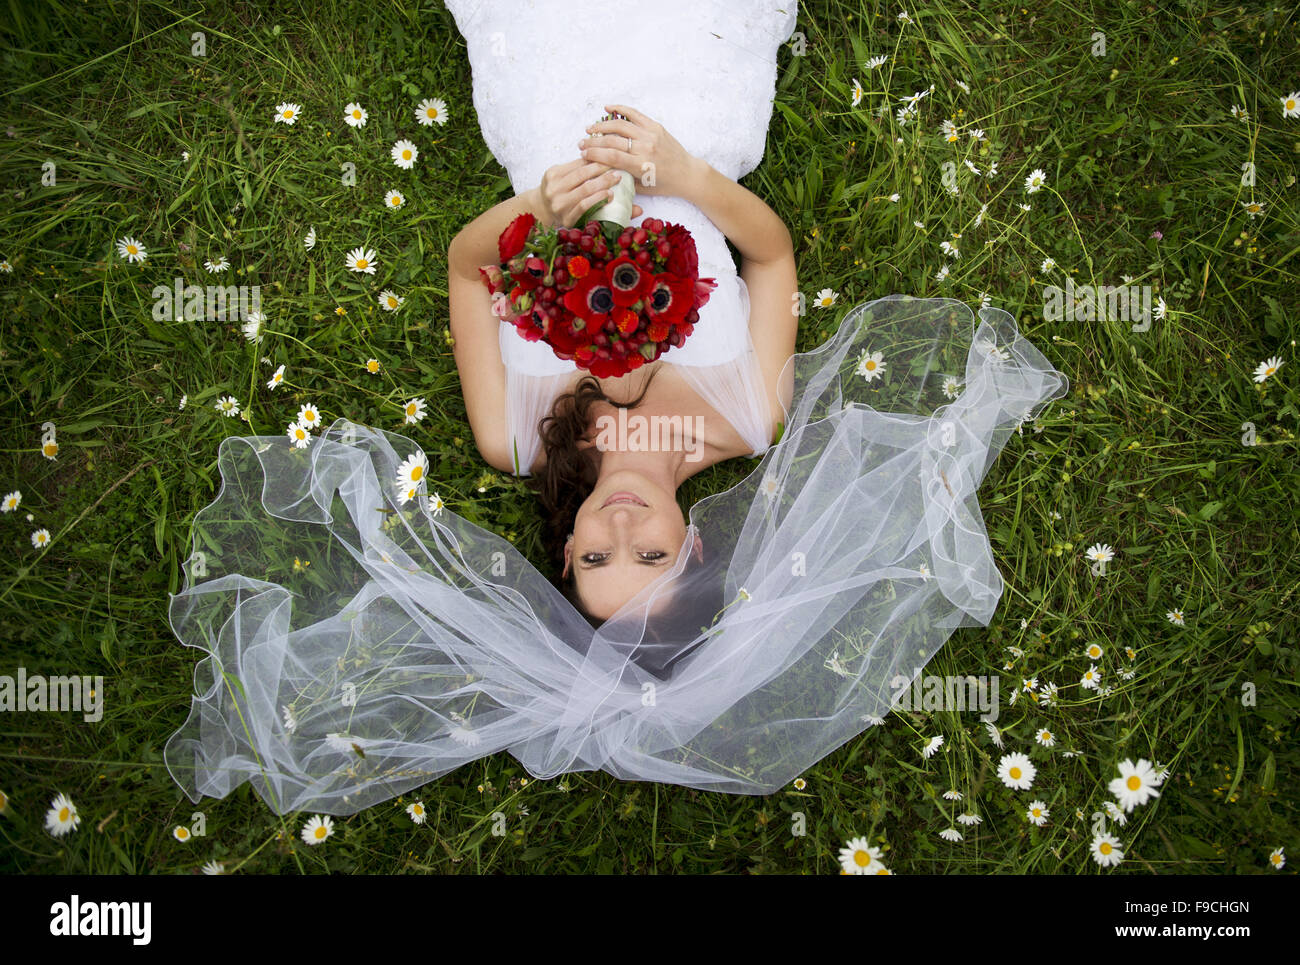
{"type": "Point", "coordinates": [767, 268]}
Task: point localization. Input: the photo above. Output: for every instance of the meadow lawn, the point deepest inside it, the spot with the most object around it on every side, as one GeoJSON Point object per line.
{"type": "Point", "coordinates": [1168, 159]}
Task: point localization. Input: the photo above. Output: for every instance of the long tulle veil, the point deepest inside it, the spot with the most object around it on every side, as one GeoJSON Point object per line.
{"type": "Point", "coordinates": [357, 646]}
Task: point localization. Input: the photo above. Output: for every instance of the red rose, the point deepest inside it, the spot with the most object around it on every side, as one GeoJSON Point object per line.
{"type": "Point", "coordinates": [512, 239]}
{"type": "Point", "coordinates": [682, 260]}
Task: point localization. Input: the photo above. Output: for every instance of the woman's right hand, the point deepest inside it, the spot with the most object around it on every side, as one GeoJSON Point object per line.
{"type": "Point", "coordinates": [568, 190]}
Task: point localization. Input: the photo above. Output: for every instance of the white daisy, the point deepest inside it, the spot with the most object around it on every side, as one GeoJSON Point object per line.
{"type": "Point", "coordinates": [317, 829]}
{"type": "Point", "coordinates": [1016, 771]}
{"type": "Point", "coordinates": [871, 365]}
{"type": "Point", "coordinates": [253, 326]}
{"type": "Point", "coordinates": [857, 93]}
{"type": "Point", "coordinates": [414, 411]}
{"type": "Point", "coordinates": [287, 113]}
{"type": "Point", "coordinates": [876, 61]}
{"type": "Point", "coordinates": [941, 274]}
{"type": "Point", "coordinates": [1036, 180]}
{"type": "Point", "coordinates": [404, 154]}
{"type": "Point", "coordinates": [214, 868]}
{"type": "Point", "coordinates": [184, 398]}
{"type": "Point", "coordinates": [1267, 368]}
{"type": "Point", "coordinates": [131, 250]}
{"type": "Point", "coordinates": [416, 810]}
{"type": "Point", "coordinates": [1100, 552]}
{"type": "Point", "coordinates": [1106, 850]}
{"type": "Point", "coordinates": [218, 266]}
{"type": "Point", "coordinates": [1175, 617]}
{"type": "Point", "coordinates": [354, 115]}
{"type": "Point", "coordinates": [1047, 265]}
{"type": "Point", "coordinates": [40, 538]}
{"type": "Point", "coordinates": [932, 745]}
{"type": "Point", "coordinates": [290, 721]}
{"type": "Point", "coordinates": [951, 795]}
{"type": "Point", "coordinates": [951, 387]}
{"type": "Point", "coordinates": [1045, 737]}
{"type": "Point", "coordinates": [464, 735]}
{"type": "Point", "coordinates": [431, 110]}
{"type": "Point", "coordinates": [950, 834]}
{"type": "Point", "coordinates": [310, 241]}
{"type": "Point", "coordinates": [299, 435]}
{"type": "Point", "coordinates": [390, 300]}
{"type": "Point", "coordinates": [11, 501]}
{"type": "Point", "coordinates": [362, 260]}
{"type": "Point", "coordinates": [62, 817]}
{"type": "Point", "coordinates": [436, 505]}
{"type": "Point", "coordinates": [1114, 813]}
{"type": "Point", "coordinates": [1135, 784]}
{"type": "Point", "coordinates": [825, 298]}
{"type": "Point", "coordinates": [969, 819]}
{"type": "Point", "coordinates": [310, 416]}
{"type": "Point", "coordinates": [1277, 859]}
{"type": "Point", "coordinates": [1091, 678]}
{"type": "Point", "coordinates": [228, 406]}
{"type": "Point", "coordinates": [394, 199]}
{"type": "Point", "coordinates": [1291, 104]}
{"type": "Point", "coordinates": [276, 378]}
{"type": "Point", "coordinates": [995, 735]}
{"type": "Point", "coordinates": [1037, 813]}
{"type": "Point", "coordinates": [859, 858]}
{"type": "Point", "coordinates": [410, 474]}
{"type": "Point", "coordinates": [949, 249]}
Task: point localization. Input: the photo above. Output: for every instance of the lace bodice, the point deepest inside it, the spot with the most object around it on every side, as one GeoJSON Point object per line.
{"type": "Point", "coordinates": [706, 70]}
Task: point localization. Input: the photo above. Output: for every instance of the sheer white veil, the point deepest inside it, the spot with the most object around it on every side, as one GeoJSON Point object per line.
{"type": "Point", "coordinates": [406, 643]}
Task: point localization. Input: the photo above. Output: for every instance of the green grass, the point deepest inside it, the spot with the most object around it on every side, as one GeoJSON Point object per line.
{"type": "Point", "coordinates": [1145, 454]}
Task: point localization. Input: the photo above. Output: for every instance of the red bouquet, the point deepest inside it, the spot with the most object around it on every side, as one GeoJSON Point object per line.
{"type": "Point", "coordinates": [607, 297]}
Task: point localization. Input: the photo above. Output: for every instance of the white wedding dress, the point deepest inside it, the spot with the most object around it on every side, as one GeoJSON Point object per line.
{"type": "Point", "coordinates": [357, 646]}
{"type": "Point", "coordinates": [708, 77]}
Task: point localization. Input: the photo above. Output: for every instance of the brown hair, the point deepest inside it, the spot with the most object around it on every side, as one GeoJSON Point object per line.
{"type": "Point", "coordinates": [569, 475]}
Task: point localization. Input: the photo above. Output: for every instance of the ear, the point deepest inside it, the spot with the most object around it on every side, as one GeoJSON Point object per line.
{"type": "Point", "coordinates": [568, 559]}
{"type": "Point", "coordinates": [699, 547]}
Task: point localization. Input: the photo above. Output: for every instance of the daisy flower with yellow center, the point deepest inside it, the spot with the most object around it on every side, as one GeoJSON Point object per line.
{"type": "Point", "coordinates": [40, 538]}
{"type": "Point", "coordinates": [1037, 813]}
{"type": "Point", "coordinates": [131, 250]}
{"type": "Point", "coordinates": [11, 501]}
{"type": "Point", "coordinates": [432, 110]}
{"type": "Point", "coordinates": [277, 378]}
{"type": "Point", "coordinates": [354, 115]}
{"type": "Point", "coordinates": [390, 301]}
{"type": "Point", "coordinates": [857, 857]}
{"type": "Point", "coordinates": [404, 154]}
{"type": "Point", "coordinates": [436, 505]}
{"type": "Point", "coordinates": [1016, 771]}
{"type": "Point", "coordinates": [871, 365]}
{"type": "Point", "coordinates": [362, 260]}
{"type": "Point", "coordinates": [181, 833]}
{"type": "Point", "coordinates": [826, 298]}
{"type": "Point", "coordinates": [1094, 651]}
{"type": "Point", "coordinates": [394, 199]}
{"type": "Point", "coordinates": [414, 410]}
{"type": "Point", "coordinates": [372, 366]}
{"type": "Point", "coordinates": [317, 829]}
{"type": "Point", "coordinates": [1135, 785]}
{"type": "Point", "coordinates": [62, 817]}
{"type": "Point", "coordinates": [410, 474]}
{"type": "Point", "coordinates": [299, 435]}
{"type": "Point", "coordinates": [1291, 104]}
{"type": "Point", "coordinates": [309, 416]}
{"type": "Point", "coordinates": [1106, 850]}
{"type": "Point", "coordinates": [1091, 678]}
{"type": "Point", "coordinates": [416, 810]}
{"type": "Point", "coordinates": [1253, 208]}
{"type": "Point", "coordinates": [287, 113]}
{"type": "Point", "coordinates": [1046, 738]}
{"type": "Point", "coordinates": [1277, 859]}
{"type": "Point", "coordinates": [1267, 368]}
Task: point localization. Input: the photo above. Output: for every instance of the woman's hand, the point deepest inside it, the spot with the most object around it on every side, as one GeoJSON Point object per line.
{"type": "Point", "coordinates": [644, 149]}
{"type": "Point", "coordinates": [568, 190]}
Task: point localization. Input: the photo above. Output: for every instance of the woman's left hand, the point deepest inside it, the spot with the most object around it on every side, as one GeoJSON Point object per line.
{"type": "Point", "coordinates": [644, 149]}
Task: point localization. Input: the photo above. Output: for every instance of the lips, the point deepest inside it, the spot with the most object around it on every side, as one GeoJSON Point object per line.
{"type": "Point", "coordinates": [623, 497]}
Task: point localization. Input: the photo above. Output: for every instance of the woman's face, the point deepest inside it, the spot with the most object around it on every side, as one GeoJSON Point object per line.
{"type": "Point", "coordinates": [627, 534]}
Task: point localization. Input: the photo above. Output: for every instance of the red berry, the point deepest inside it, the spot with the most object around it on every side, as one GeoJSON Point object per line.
{"type": "Point", "coordinates": [586, 244]}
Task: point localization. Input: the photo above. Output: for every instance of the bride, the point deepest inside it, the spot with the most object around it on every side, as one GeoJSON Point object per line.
{"type": "Point", "coordinates": [729, 648]}
{"type": "Point", "coordinates": [618, 507]}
